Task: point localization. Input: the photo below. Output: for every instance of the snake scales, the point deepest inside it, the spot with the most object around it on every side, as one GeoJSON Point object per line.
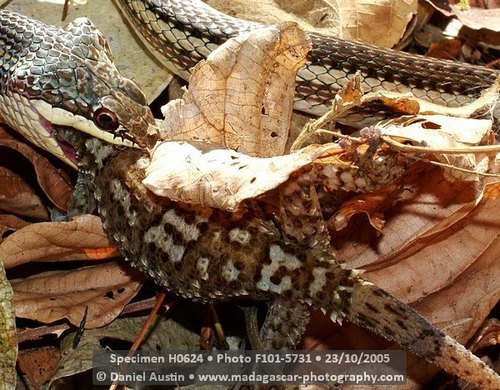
{"type": "Point", "coordinates": [61, 85]}
{"type": "Point", "coordinates": [40, 66]}
{"type": "Point", "coordinates": [181, 33]}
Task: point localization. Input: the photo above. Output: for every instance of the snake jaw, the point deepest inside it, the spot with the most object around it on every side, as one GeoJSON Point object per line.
{"type": "Point", "coordinates": [60, 117]}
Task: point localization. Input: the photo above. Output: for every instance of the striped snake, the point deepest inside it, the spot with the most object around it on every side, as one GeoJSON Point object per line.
{"type": "Point", "coordinates": [55, 81]}
{"type": "Point", "coordinates": [181, 33]}
{"type": "Point", "coordinates": [66, 77]}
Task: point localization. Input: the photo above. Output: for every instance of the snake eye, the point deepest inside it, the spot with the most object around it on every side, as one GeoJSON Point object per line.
{"type": "Point", "coordinates": [106, 119]}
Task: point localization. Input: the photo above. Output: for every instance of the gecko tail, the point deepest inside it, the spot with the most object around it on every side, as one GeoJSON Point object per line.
{"type": "Point", "coordinates": [383, 314]}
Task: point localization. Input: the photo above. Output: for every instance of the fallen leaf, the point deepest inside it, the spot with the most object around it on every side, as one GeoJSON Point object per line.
{"type": "Point", "coordinates": [346, 19]}
{"type": "Point", "coordinates": [55, 184]}
{"type": "Point", "coordinates": [368, 204]}
{"type": "Point", "coordinates": [50, 296]}
{"type": "Point", "coordinates": [488, 335]}
{"type": "Point", "coordinates": [224, 106]}
{"type": "Point", "coordinates": [8, 334]}
{"type": "Point", "coordinates": [380, 22]}
{"type": "Point", "coordinates": [167, 333]}
{"type": "Point", "coordinates": [18, 197]}
{"type": "Point", "coordinates": [439, 246]}
{"type": "Point", "coordinates": [56, 241]}
{"type": "Point", "coordinates": [39, 364]}
{"type": "Point", "coordinates": [313, 15]}
{"type": "Point", "coordinates": [9, 224]}
{"type": "Point", "coordinates": [448, 133]}
{"type": "Point", "coordinates": [220, 178]}
{"type": "Point", "coordinates": [476, 16]}
{"type": "Point", "coordinates": [447, 49]}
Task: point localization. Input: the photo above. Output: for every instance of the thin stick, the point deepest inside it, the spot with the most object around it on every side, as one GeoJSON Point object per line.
{"type": "Point", "coordinates": [423, 149]}
{"type": "Point", "coordinates": [145, 328]}
{"type": "Point", "coordinates": [465, 170]}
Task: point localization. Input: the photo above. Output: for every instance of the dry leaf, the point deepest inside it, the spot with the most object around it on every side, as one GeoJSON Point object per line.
{"type": "Point", "coordinates": [219, 178]}
{"type": "Point", "coordinates": [8, 334]}
{"type": "Point", "coordinates": [437, 244]}
{"type": "Point", "coordinates": [224, 106]}
{"type": "Point", "coordinates": [50, 296]}
{"type": "Point", "coordinates": [312, 15]}
{"type": "Point", "coordinates": [439, 131]}
{"type": "Point", "coordinates": [167, 333]}
{"type": "Point", "coordinates": [54, 182]}
{"type": "Point", "coordinates": [488, 335]}
{"type": "Point", "coordinates": [39, 364]}
{"type": "Point", "coordinates": [380, 22]}
{"type": "Point", "coordinates": [478, 15]}
{"type": "Point", "coordinates": [447, 49]}
{"type": "Point", "coordinates": [81, 239]}
{"type": "Point", "coordinates": [366, 203]}
{"type": "Point", "coordinates": [9, 224]}
{"type": "Point", "coordinates": [18, 197]}
{"type": "Point", "coordinates": [448, 133]}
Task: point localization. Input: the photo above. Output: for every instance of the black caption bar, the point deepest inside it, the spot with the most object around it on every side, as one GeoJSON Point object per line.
{"type": "Point", "coordinates": [253, 367]}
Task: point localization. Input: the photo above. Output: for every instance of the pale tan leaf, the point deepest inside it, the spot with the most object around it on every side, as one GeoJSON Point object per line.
{"type": "Point", "coordinates": [82, 238]}
{"type": "Point", "coordinates": [219, 178]}
{"type": "Point", "coordinates": [8, 334]}
{"type": "Point", "coordinates": [224, 106]}
{"type": "Point", "coordinates": [380, 22]}
{"type": "Point", "coordinates": [442, 131]}
{"type": "Point", "coordinates": [448, 133]}
{"type": "Point", "coordinates": [311, 15]}
{"type": "Point", "coordinates": [50, 296]}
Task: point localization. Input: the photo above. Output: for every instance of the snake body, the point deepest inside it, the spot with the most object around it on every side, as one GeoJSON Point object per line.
{"type": "Point", "coordinates": [181, 33]}
{"type": "Point", "coordinates": [45, 76]}
{"type": "Point", "coordinates": [62, 85]}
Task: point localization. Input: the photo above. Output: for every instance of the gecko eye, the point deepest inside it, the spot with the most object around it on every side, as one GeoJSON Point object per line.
{"type": "Point", "coordinates": [106, 119]}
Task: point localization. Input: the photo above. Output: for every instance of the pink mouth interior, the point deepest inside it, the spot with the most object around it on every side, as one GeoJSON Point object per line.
{"type": "Point", "coordinates": [67, 149]}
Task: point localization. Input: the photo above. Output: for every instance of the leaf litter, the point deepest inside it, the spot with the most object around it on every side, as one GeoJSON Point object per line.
{"type": "Point", "coordinates": [261, 137]}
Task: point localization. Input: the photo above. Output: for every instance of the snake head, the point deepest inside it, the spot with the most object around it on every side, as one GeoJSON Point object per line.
{"type": "Point", "coordinates": [73, 83]}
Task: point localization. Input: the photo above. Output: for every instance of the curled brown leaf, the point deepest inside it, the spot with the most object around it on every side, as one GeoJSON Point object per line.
{"type": "Point", "coordinates": [83, 238]}
{"type": "Point", "coordinates": [50, 296]}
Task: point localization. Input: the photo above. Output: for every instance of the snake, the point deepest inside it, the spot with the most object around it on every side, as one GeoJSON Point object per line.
{"type": "Point", "coordinates": [61, 89]}
{"type": "Point", "coordinates": [181, 33]}
{"type": "Point", "coordinates": [52, 76]}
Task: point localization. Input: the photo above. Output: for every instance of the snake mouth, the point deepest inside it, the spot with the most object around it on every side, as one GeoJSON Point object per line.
{"type": "Point", "coordinates": [55, 119]}
{"type": "Point", "coordinates": [67, 149]}
{"type": "Point", "coordinates": [53, 143]}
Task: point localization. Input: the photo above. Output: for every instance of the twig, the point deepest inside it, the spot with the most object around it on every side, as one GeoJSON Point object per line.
{"type": "Point", "coordinates": [145, 328]}
{"type": "Point", "coordinates": [424, 149]}
{"type": "Point", "coordinates": [38, 333]}
{"type": "Point", "coordinates": [339, 135]}
{"type": "Point", "coordinates": [465, 170]}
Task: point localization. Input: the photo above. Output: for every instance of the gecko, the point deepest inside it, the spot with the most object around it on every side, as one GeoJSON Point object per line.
{"type": "Point", "coordinates": [196, 252]}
